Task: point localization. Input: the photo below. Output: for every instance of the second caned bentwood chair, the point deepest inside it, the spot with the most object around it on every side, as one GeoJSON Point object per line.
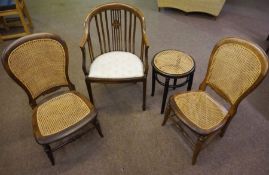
{"type": "Point", "coordinates": [39, 64]}
{"type": "Point", "coordinates": [236, 67]}
{"type": "Point", "coordinates": [118, 46]}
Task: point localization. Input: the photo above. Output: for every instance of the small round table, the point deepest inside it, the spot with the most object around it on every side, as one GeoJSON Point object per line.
{"type": "Point", "coordinates": [172, 64]}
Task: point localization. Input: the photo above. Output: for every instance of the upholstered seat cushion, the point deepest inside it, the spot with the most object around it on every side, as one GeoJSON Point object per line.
{"type": "Point", "coordinates": [200, 109]}
{"type": "Point", "coordinates": [116, 65]}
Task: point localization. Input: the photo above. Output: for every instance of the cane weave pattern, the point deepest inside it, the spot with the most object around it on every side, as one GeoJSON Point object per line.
{"type": "Point", "coordinates": [39, 65]}
{"type": "Point", "coordinates": [234, 69]}
{"type": "Point", "coordinates": [173, 62]}
{"type": "Point", "coordinates": [60, 113]}
{"type": "Point", "coordinates": [200, 109]}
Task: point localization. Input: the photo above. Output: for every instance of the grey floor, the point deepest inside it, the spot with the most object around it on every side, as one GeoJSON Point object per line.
{"type": "Point", "coordinates": [134, 142]}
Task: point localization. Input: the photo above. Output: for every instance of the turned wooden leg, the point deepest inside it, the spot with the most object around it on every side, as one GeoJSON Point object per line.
{"type": "Point", "coordinates": [165, 92]}
{"type": "Point", "coordinates": [89, 88]}
{"type": "Point", "coordinates": [49, 153]}
{"type": "Point", "coordinates": [98, 127]}
{"type": "Point", "coordinates": [197, 148]}
{"type": "Point", "coordinates": [167, 114]}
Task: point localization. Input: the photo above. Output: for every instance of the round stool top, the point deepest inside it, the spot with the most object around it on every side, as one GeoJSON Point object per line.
{"type": "Point", "coordinates": [173, 62]}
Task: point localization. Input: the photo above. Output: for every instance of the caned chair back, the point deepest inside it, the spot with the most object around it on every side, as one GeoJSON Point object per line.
{"type": "Point", "coordinates": [114, 27]}
{"type": "Point", "coordinates": [38, 63]}
{"type": "Point", "coordinates": [235, 68]}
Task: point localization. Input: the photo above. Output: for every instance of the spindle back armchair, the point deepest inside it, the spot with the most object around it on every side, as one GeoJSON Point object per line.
{"type": "Point", "coordinates": [116, 31]}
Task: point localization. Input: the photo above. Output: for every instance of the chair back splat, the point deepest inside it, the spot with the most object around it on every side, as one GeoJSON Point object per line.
{"type": "Point", "coordinates": [116, 27]}
{"type": "Point", "coordinates": [236, 67]}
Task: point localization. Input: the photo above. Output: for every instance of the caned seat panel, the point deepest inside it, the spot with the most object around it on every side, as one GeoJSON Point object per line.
{"type": "Point", "coordinates": [60, 113]}
{"type": "Point", "coordinates": [200, 109]}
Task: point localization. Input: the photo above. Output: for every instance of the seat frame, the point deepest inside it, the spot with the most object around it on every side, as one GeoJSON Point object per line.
{"type": "Point", "coordinates": [86, 38]}
{"type": "Point", "coordinates": [22, 11]}
{"type": "Point", "coordinates": [204, 135]}
{"type": "Point", "coordinates": [72, 132]}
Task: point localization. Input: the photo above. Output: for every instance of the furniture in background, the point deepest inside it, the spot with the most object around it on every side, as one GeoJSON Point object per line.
{"type": "Point", "coordinates": [118, 46]}
{"type": "Point", "coordinates": [39, 64]}
{"type": "Point", "coordinates": [212, 7]}
{"type": "Point", "coordinates": [172, 64]}
{"type": "Point", "coordinates": [15, 8]}
{"type": "Point", "coordinates": [236, 68]}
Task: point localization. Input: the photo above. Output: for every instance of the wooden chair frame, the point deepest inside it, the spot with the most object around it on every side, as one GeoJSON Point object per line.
{"type": "Point", "coordinates": [22, 11]}
{"type": "Point", "coordinates": [203, 135]}
{"type": "Point", "coordinates": [113, 41]}
{"type": "Point", "coordinates": [72, 132]}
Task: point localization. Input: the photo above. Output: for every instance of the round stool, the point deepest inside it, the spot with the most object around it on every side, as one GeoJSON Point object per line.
{"type": "Point", "coordinates": [172, 64]}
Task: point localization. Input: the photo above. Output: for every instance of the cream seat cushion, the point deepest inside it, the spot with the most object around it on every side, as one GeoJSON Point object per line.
{"type": "Point", "coordinates": [116, 64]}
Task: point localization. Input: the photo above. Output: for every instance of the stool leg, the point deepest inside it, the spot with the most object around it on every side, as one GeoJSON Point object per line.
{"type": "Point", "coordinates": [175, 83]}
{"type": "Point", "coordinates": [165, 92]}
{"type": "Point", "coordinates": [190, 80]}
{"type": "Point", "coordinates": [153, 82]}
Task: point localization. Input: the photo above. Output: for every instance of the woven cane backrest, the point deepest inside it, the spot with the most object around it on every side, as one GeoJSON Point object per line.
{"type": "Point", "coordinates": [236, 67]}
{"type": "Point", "coordinates": [115, 27]}
{"type": "Point", "coordinates": [39, 64]}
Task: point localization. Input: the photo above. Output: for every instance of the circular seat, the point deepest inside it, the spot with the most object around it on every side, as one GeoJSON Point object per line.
{"type": "Point", "coordinates": [173, 62]}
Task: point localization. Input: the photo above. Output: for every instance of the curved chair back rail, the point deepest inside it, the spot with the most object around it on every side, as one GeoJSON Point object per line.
{"type": "Point", "coordinates": [38, 63]}
{"type": "Point", "coordinates": [235, 69]}
{"type": "Point", "coordinates": [115, 27]}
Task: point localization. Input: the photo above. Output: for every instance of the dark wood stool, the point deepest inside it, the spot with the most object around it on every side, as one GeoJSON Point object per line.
{"type": "Point", "coordinates": [172, 64]}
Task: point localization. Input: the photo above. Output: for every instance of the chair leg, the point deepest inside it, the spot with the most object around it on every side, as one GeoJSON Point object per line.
{"type": "Point", "coordinates": [89, 88]}
{"type": "Point", "coordinates": [190, 80]}
{"type": "Point", "coordinates": [24, 24]}
{"type": "Point", "coordinates": [223, 130]}
{"type": "Point", "coordinates": [165, 92]}
{"type": "Point", "coordinates": [167, 114]}
{"type": "Point", "coordinates": [197, 148]}
{"type": "Point", "coordinates": [26, 13]}
{"type": "Point", "coordinates": [98, 127]}
{"type": "Point", "coordinates": [49, 153]}
{"type": "Point", "coordinates": [153, 82]}
{"type": "Point", "coordinates": [144, 94]}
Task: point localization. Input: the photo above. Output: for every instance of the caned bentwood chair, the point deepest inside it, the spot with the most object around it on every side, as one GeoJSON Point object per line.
{"type": "Point", "coordinates": [236, 67]}
{"type": "Point", "coordinates": [115, 34]}
{"type": "Point", "coordinates": [39, 64]}
{"type": "Point", "coordinates": [11, 8]}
